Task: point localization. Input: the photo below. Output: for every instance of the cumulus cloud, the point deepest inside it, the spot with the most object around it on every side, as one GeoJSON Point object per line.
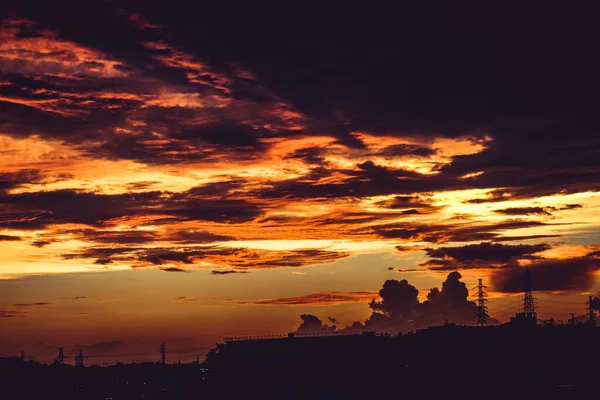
{"type": "Point", "coordinates": [310, 323]}
{"type": "Point", "coordinates": [400, 310]}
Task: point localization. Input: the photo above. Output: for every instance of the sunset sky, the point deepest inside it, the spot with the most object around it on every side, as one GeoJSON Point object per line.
{"type": "Point", "coordinates": [177, 174]}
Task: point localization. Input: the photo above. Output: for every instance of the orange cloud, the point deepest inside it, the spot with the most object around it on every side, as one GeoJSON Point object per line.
{"type": "Point", "coordinates": [46, 52]}
{"type": "Point", "coordinates": [319, 299]}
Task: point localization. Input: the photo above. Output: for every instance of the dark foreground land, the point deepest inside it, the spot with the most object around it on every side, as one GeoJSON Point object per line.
{"type": "Point", "coordinates": [442, 362]}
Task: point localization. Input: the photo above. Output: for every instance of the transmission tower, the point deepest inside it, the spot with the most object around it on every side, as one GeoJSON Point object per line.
{"type": "Point", "coordinates": [481, 306]}
{"type": "Point", "coordinates": [60, 360]}
{"type": "Point", "coordinates": [163, 353]}
{"type": "Point", "coordinates": [528, 300]}
{"type": "Point", "coordinates": [79, 359]}
{"type": "Point", "coordinates": [591, 311]}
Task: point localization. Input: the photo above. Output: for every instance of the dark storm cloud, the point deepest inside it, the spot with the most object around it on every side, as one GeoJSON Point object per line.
{"type": "Point", "coordinates": [490, 70]}
{"type": "Point", "coordinates": [208, 143]}
{"type": "Point", "coordinates": [71, 206]}
{"type": "Point", "coordinates": [568, 274]}
{"type": "Point", "coordinates": [18, 120]}
{"type": "Point", "coordinates": [37, 209]}
{"type": "Point", "coordinates": [458, 107]}
{"type": "Point", "coordinates": [143, 79]}
{"type": "Point", "coordinates": [232, 136]}
{"type": "Point", "coordinates": [239, 258]}
{"type": "Point", "coordinates": [451, 232]}
{"type": "Point", "coordinates": [493, 252]}
{"type": "Point", "coordinates": [380, 81]}
{"type": "Point", "coordinates": [369, 180]}
{"type": "Point", "coordinates": [520, 180]}
{"type": "Point", "coordinates": [523, 160]}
